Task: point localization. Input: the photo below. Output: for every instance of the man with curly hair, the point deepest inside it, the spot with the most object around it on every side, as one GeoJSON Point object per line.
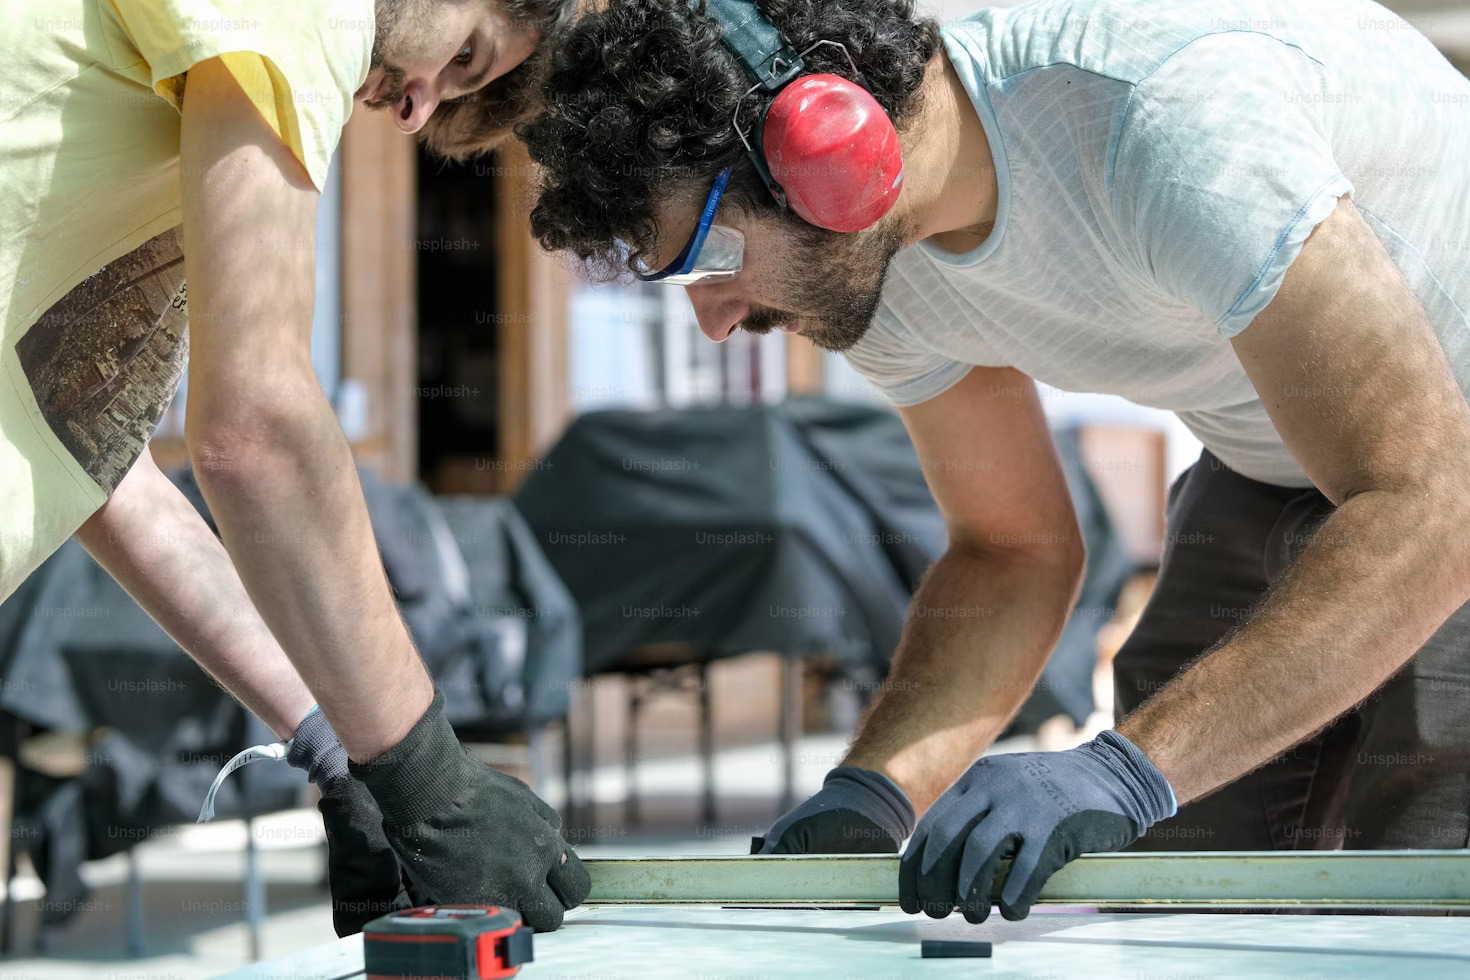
{"type": "Point", "coordinates": [1249, 213]}
{"type": "Point", "coordinates": [141, 140]}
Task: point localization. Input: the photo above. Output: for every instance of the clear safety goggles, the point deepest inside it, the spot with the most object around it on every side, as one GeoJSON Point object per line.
{"type": "Point", "coordinates": [714, 252]}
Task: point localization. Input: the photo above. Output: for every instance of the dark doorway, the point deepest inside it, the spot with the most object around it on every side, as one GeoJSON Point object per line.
{"type": "Point", "coordinates": [458, 305]}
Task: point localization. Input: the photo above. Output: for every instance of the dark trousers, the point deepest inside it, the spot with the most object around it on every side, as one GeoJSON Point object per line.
{"type": "Point", "coordinates": [1392, 773]}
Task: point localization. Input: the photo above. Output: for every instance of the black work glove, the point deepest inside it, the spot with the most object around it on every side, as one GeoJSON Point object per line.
{"type": "Point", "coordinates": [363, 873]}
{"type": "Point", "coordinates": [469, 834]}
{"type": "Point", "coordinates": [1041, 809]}
{"type": "Point", "coordinates": [856, 811]}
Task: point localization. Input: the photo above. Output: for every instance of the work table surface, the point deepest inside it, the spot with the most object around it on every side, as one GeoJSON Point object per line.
{"type": "Point", "coordinates": [612, 942]}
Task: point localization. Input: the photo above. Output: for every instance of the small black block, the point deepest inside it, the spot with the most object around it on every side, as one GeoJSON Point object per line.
{"type": "Point", "coordinates": [934, 949]}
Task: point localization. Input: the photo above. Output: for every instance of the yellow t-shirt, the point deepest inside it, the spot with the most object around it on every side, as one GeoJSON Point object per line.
{"type": "Point", "coordinates": [89, 173]}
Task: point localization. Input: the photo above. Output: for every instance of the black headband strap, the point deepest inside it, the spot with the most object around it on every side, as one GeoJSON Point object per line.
{"type": "Point", "coordinates": [756, 43]}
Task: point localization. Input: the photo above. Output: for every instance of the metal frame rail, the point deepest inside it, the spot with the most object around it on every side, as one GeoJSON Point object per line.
{"type": "Point", "coordinates": [1266, 879]}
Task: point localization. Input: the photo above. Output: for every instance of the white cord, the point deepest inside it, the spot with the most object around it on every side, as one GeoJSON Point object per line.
{"type": "Point", "coordinates": [276, 750]}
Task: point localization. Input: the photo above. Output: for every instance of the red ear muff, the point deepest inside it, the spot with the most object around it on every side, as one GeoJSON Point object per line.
{"type": "Point", "coordinates": [834, 151]}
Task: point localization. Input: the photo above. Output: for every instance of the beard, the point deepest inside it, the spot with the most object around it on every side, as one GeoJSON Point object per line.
{"type": "Point", "coordinates": [403, 27]}
{"type": "Point", "coordinates": [839, 279]}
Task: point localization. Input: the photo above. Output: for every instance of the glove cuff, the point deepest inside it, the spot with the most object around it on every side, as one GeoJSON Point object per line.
{"type": "Point", "coordinates": [1152, 793]}
{"type": "Point", "coordinates": [315, 749]}
{"type": "Point", "coordinates": [888, 806]}
{"type": "Point", "coordinates": [420, 776]}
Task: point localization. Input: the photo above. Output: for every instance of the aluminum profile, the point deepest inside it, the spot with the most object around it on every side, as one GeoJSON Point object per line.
{"type": "Point", "coordinates": [1248, 879]}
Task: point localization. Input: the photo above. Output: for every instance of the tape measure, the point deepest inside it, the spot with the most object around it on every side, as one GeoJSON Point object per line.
{"type": "Point", "coordinates": [446, 942]}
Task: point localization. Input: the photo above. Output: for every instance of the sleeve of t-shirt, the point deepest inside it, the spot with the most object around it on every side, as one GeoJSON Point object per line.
{"type": "Point", "coordinates": [893, 360]}
{"type": "Point", "coordinates": [1223, 167]}
{"type": "Point", "coordinates": [298, 63]}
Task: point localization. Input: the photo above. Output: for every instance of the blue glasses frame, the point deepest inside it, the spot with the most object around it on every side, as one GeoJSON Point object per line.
{"type": "Point", "coordinates": [686, 263]}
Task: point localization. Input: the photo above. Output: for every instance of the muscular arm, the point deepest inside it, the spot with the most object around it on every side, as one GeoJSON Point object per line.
{"type": "Point", "coordinates": [155, 544]}
{"type": "Point", "coordinates": [1357, 384]}
{"type": "Point", "coordinates": [267, 450]}
{"type": "Point", "coordinates": [989, 612]}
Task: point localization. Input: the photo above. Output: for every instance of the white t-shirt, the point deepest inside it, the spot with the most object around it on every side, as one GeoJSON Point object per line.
{"type": "Point", "coordinates": [1160, 165]}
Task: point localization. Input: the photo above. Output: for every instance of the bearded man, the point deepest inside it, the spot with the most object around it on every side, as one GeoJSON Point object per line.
{"type": "Point", "coordinates": [144, 143]}
{"type": "Point", "coordinates": [1250, 213]}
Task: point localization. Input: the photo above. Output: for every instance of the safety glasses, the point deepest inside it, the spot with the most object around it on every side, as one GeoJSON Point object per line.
{"type": "Point", "coordinates": [714, 252]}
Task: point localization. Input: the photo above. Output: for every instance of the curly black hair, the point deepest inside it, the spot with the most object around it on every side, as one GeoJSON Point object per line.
{"type": "Point", "coordinates": [639, 97]}
{"type": "Point", "coordinates": [476, 123]}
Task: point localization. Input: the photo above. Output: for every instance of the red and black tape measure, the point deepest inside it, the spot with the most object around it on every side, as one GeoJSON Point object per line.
{"type": "Point", "coordinates": [446, 942]}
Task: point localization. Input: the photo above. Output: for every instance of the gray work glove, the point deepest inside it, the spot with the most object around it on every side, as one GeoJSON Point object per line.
{"type": "Point", "coordinates": [857, 811]}
{"type": "Point", "coordinates": [1041, 809]}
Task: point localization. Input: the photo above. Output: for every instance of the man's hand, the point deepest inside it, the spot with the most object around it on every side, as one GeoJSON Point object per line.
{"type": "Point", "coordinates": [855, 812]}
{"type": "Point", "coordinates": [363, 872]}
{"type": "Point", "coordinates": [156, 545]}
{"type": "Point", "coordinates": [469, 834]}
{"type": "Point", "coordinates": [1041, 809]}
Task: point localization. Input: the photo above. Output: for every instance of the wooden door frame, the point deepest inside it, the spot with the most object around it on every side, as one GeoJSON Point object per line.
{"type": "Point", "coordinates": [380, 287]}
{"type": "Point", "coordinates": [534, 291]}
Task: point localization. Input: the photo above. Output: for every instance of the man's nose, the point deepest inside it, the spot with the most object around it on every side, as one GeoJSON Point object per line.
{"type": "Point", "coordinates": [719, 312]}
{"type": "Point", "coordinates": [419, 102]}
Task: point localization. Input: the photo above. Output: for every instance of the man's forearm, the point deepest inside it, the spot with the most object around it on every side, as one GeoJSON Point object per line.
{"type": "Point", "coordinates": [978, 632]}
{"type": "Point", "coordinates": [267, 450]}
{"type": "Point", "coordinates": [1380, 576]}
{"type": "Point", "coordinates": [158, 548]}
{"type": "Point", "coordinates": [284, 492]}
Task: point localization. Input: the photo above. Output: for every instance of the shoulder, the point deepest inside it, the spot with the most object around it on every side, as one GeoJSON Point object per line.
{"type": "Point", "coordinates": [1127, 40]}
